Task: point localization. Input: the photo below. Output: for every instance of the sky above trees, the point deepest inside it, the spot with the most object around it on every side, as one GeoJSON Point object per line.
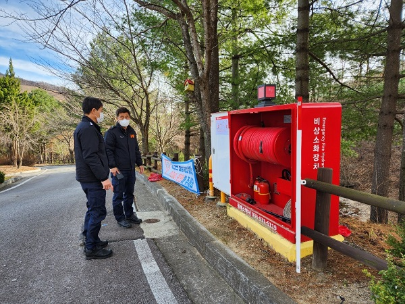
{"type": "Point", "coordinates": [26, 56]}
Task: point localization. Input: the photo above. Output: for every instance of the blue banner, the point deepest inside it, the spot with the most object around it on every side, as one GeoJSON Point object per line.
{"type": "Point", "coordinates": [182, 173]}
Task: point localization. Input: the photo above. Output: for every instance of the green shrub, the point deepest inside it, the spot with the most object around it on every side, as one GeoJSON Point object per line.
{"type": "Point", "coordinates": [398, 246]}
{"type": "Point", "coordinates": [347, 148]}
{"type": "Point", "coordinates": [2, 177]}
{"type": "Point", "coordinates": [390, 289]}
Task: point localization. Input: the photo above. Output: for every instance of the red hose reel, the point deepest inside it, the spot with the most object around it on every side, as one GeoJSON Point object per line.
{"type": "Point", "coordinates": [263, 144]}
{"type": "Point", "coordinates": [253, 144]}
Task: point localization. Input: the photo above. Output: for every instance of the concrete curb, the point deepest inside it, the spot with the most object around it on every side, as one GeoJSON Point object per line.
{"type": "Point", "coordinates": [249, 284]}
{"type": "Point", "coordinates": [10, 181]}
{"type": "Point", "coordinates": [14, 177]}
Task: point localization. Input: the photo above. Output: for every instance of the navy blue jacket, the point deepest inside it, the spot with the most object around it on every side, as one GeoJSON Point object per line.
{"type": "Point", "coordinates": [122, 148]}
{"type": "Point", "coordinates": [90, 155]}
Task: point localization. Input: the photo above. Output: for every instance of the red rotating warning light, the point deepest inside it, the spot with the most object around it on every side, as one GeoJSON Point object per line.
{"type": "Point", "coordinates": [266, 91]}
{"type": "Point", "coordinates": [265, 94]}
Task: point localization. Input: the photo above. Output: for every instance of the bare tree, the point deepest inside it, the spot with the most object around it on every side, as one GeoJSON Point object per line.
{"type": "Point", "coordinates": [202, 54]}
{"type": "Point", "coordinates": [99, 39]}
{"type": "Point", "coordinates": [166, 124]}
{"type": "Point", "coordinates": [19, 120]}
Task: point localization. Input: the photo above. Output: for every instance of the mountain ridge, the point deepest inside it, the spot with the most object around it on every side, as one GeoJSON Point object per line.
{"type": "Point", "coordinates": [29, 85]}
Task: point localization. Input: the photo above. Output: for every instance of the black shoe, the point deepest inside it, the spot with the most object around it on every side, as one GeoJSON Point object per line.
{"type": "Point", "coordinates": [124, 224]}
{"type": "Point", "coordinates": [101, 244]}
{"type": "Point", "coordinates": [98, 253]}
{"type": "Point", "coordinates": [134, 219]}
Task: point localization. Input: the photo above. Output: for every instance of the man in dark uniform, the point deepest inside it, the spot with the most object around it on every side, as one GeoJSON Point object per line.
{"type": "Point", "coordinates": [123, 154]}
{"type": "Point", "coordinates": [92, 173]}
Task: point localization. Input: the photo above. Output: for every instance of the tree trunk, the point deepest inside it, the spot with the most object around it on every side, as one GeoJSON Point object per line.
{"type": "Point", "coordinates": [211, 69]}
{"type": "Point", "coordinates": [10, 153]}
{"type": "Point", "coordinates": [41, 153]}
{"type": "Point", "coordinates": [401, 197]}
{"type": "Point", "coordinates": [187, 133]}
{"type": "Point", "coordinates": [204, 68]}
{"type": "Point", "coordinates": [201, 151]}
{"type": "Point", "coordinates": [146, 123]}
{"type": "Point", "coordinates": [45, 152]}
{"type": "Point", "coordinates": [145, 140]}
{"type": "Point", "coordinates": [71, 156]}
{"type": "Point", "coordinates": [21, 155]}
{"type": "Point", "coordinates": [302, 51]}
{"type": "Point", "coordinates": [212, 65]}
{"type": "Point", "coordinates": [202, 56]}
{"type": "Point", "coordinates": [235, 64]}
{"type": "Point", "coordinates": [235, 82]}
{"type": "Point", "coordinates": [15, 153]}
{"type": "Point", "coordinates": [199, 87]}
{"type": "Point", "coordinates": [382, 151]}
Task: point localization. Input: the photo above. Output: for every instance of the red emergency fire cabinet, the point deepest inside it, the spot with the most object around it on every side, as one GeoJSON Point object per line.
{"type": "Point", "coordinates": [263, 162]}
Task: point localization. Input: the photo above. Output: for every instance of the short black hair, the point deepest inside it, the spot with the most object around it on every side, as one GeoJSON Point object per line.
{"type": "Point", "coordinates": [122, 110]}
{"type": "Point", "coordinates": [90, 103]}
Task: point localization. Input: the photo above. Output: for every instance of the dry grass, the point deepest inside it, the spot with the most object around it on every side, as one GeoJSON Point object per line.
{"type": "Point", "coordinates": [9, 170]}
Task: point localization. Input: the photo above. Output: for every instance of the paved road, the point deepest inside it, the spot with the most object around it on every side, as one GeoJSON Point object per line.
{"type": "Point", "coordinates": [42, 261]}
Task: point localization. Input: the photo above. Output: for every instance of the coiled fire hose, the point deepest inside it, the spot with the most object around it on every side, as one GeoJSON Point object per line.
{"type": "Point", "coordinates": [253, 144]}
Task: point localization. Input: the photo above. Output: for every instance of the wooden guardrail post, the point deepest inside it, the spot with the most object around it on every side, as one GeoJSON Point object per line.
{"type": "Point", "coordinates": [199, 172]}
{"type": "Point", "coordinates": [148, 161]}
{"type": "Point", "coordinates": [155, 160]}
{"type": "Point", "coordinates": [143, 160]}
{"type": "Point", "coordinates": [322, 214]}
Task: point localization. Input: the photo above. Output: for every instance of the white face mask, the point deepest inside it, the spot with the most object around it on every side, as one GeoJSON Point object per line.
{"type": "Point", "coordinates": [101, 118]}
{"type": "Point", "coordinates": [124, 122]}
